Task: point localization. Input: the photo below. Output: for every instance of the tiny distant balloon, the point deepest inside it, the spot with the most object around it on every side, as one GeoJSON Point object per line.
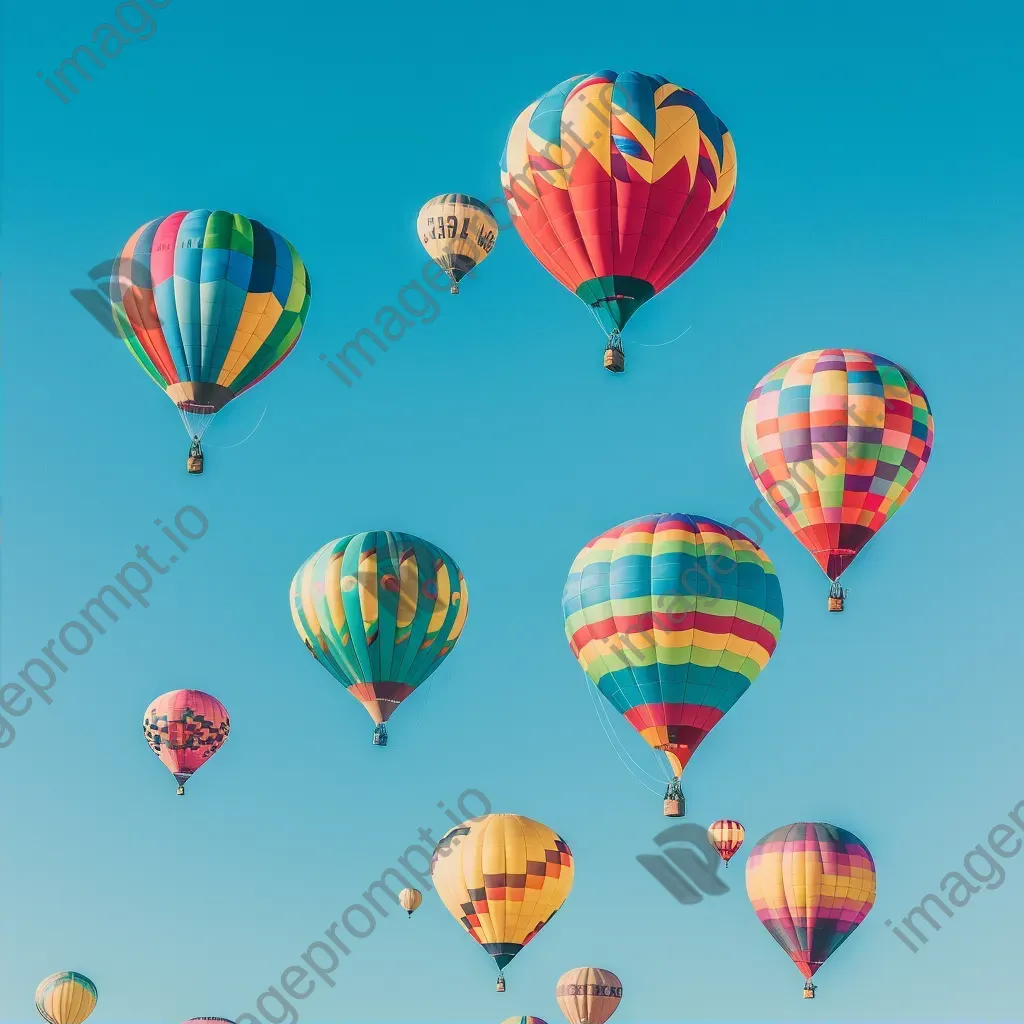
{"type": "Point", "coordinates": [66, 997]}
{"type": "Point", "coordinates": [523, 1020]}
{"type": "Point", "coordinates": [209, 1020]}
{"type": "Point", "coordinates": [810, 884]}
{"type": "Point", "coordinates": [185, 728]}
{"type": "Point", "coordinates": [410, 900]}
{"type": "Point", "coordinates": [458, 233]}
{"type": "Point", "coordinates": [726, 836]}
{"type": "Point", "coordinates": [588, 995]}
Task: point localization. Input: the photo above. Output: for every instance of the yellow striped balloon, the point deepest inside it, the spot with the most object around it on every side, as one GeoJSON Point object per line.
{"type": "Point", "coordinates": [726, 836]}
{"type": "Point", "coordinates": [588, 995]}
{"type": "Point", "coordinates": [458, 233]}
{"type": "Point", "coordinates": [410, 900]}
{"type": "Point", "coordinates": [66, 997]}
{"type": "Point", "coordinates": [502, 877]}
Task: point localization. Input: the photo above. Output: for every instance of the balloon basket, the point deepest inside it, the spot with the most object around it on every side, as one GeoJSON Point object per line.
{"type": "Point", "coordinates": [455, 289]}
{"type": "Point", "coordinates": [500, 987]}
{"type": "Point", "coordinates": [835, 604]}
{"type": "Point", "coordinates": [380, 736]}
{"type": "Point", "coordinates": [673, 809]}
{"type": "Point", "coordinates": [614, 360]}
{"type": "Point", "coordinates": [809, 991]}
{"type": "Point", "coordinates": [181, 791]}
{"type": "Point", "coordinates": [195, 464]}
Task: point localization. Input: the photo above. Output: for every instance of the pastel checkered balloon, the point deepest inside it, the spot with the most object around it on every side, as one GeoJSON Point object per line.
{"type": "Point", "coordinates": [836, 439]}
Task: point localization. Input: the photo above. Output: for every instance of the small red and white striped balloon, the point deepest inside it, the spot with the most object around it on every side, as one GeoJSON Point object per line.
{"type": "Point", "coordinates": [726, 836]}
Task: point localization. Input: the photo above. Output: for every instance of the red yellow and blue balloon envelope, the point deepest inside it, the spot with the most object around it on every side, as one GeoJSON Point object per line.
{"type": "Point", "coordinates": [617, 182]}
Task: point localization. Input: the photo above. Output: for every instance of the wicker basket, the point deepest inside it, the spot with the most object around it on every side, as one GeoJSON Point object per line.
{"type": "Point", "coordinates": [614, 360]}
{"type": "Point", "coordinates": [195, 464]}
{"type": "Point", "coordinates": [835, 604]}
{"type": "Point", "coordinates": [672, 809]}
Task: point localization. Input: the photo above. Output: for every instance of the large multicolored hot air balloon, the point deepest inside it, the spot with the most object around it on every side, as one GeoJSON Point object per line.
{"type": "Point", "coordinates": [726, 836]}
{"type": "Point", "coordinates": [209, 303]}
{"type": "Point", "coordinates": [672, 616]}
{"type": "Point", "coordinates": [810, 884]}
{"type": "Point", "coordinates": [185, 728]}
{"type": "Point", "coordinates": [458, 233]}
{"type": "Point", "coordinates": [617, 182]}
{"type": "Point", "coordinates": [836, 439]}
{"type": "Point", "coordinates": [66, 997]}
{"type": "Point", "coordinates": [502, 877]}
{"type": "Point", "coordinates": [380, 611]}
{"type": "Point", "coordinates": [588, 995]}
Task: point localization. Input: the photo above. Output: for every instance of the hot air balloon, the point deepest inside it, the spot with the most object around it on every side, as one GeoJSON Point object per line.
{"type": "Point", "coordinates": [617, 182]}
{"type": "Point", "coordinates": [588, 995]}
{"type": "Point", "coordinates": [726, 836]}
{"type": "Point", "coordinates": [410, 900]}
{"type": "Point", "coordinates": [458, 233]}
{"type": "Point", "coordinates": [209, 1020]}
{"type": "Point", "coordinates": [209, 303]}
{"type": "Point", "coordinates": [185, 728]}
{"type": "Point", "coordinates": [810, 884]}
{"type": "Point", "coordinates": [672, 616]}
{"type": "Point", "coordinates": [380, 611]}
{"type": "Point", "coordinates": [66, 997]}
{"type": "Point", "coordinates": [502, 877]}
{"type": "Point", "coordinates": [523, 1020]}
{"type": "Point", "coordinates": [836, 439]}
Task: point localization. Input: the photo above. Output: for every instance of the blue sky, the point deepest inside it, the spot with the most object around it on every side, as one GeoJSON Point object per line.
{"type": "Point", "coordinates": [878, 206]}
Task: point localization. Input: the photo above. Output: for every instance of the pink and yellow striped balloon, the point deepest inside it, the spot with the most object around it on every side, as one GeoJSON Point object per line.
{"type": "Point", "coordinates": [810, 884]}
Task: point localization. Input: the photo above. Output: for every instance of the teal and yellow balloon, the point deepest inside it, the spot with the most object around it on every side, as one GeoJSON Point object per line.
{"type": "Point", "coordinates": [66, 997]}
{"type": "Point", "coordinates": [380, 611]}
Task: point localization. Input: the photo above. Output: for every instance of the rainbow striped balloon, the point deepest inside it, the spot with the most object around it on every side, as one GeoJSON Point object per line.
{"type": "Point", "coordinates": [672, 616]}
{"type": "Point", "coordinates": [209, 303]}
{"type": "Point", "coordinates": [810, 884]}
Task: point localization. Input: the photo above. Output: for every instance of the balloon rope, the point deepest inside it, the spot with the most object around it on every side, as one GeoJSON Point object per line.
{"type": "Point", "coordinates": [198, 423]}
{"type": "Point", "coordinates": [661, 344]}
{"type": "Point", "coordinates": [602, 714]}
{"type": "Point", "coordinates": [247, 436]}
